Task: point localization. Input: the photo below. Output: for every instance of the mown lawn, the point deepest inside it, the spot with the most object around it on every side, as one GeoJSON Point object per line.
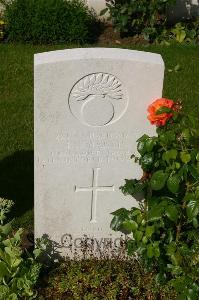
{"type": "Point", "coordinates": [16, 109]}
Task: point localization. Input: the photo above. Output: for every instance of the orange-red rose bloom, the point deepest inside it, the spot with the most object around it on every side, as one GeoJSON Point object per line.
{"type": "Point", "coordinates": [159, 120]}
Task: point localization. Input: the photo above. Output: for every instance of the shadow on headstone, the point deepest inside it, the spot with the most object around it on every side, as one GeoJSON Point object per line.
{"type": "Point", "coordinates": [51, 255]}
{"type": "Point", "coordinates": [17, 180]}
{"type": "Point", "coordinates": [81, 248]}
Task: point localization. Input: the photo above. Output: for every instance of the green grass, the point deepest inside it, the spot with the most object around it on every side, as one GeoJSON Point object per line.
{"type": "Point", "coordinates": [16, 109]}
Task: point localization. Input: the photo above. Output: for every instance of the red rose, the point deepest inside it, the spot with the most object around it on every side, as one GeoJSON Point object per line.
{"type": "Point", "coordinates": [160, 119]}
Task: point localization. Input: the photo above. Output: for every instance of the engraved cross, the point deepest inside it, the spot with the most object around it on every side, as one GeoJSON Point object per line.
{"type": "Point", "coordinates": [94, 188]}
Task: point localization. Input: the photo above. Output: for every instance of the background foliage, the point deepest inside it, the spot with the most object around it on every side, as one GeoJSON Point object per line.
{"type": "Point", "coordinates": [52, 21]}
{"type": "Point", "coordinates": [138, 16]}
{"type": "Point", "coordinates": [149, 18]}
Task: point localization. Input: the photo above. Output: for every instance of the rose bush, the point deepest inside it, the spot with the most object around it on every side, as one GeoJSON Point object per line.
{"type": "Point", "coordinates": [163, 229]}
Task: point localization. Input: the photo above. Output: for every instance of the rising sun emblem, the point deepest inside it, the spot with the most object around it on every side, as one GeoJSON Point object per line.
{"type": "Point", "coordinates": [98, 99]}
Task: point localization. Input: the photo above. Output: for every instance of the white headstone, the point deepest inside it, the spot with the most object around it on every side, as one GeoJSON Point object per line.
{"type": "Point", "coordinates": [90, 108]}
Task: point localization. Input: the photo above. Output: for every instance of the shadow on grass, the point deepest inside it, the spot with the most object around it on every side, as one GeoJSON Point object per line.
{"type": "Point", "coordinates": [17, 181]}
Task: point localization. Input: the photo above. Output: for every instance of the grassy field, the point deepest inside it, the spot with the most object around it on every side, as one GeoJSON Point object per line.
{"type": "Point", "coordinates": [16, 110]}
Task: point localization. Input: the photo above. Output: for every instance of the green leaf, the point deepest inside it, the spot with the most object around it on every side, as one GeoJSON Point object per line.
{"type": "Point", "coordinates": [135, 211]}
{"type": "Point", "coordinates": [171, 249]}
{"type": "Point", "coordinates": [147, 161]}
{"type": "Point", "coordinates": [155, 214]}
{"type": "Point", "coordinates": [172, 212]}
{"type": "Point", "coordinates": [194, 172]}
{"type": "Point", "coordinates": [192, 295]}
{"type": "Point", "coordinates": [186, 134]}
{"type": "Point", "coordinates": [141, 147]}
{"type": "Point", "coordinates": [185, 157]}
{"type": "Point", "coordinates": [3, 269]}
{"type": "Point", "coordinates": [197, 156]}
{"type": "Point", "coordinates": [149, 231]}
{"type": "Point", "coordinates": [176, 258]}
{"type": "Point", "coordinates": [133, 187]}
{"type": "Point", "coordinates": [192, 208]}
{"type": "Point", "coordinates": [129, 226]}
{"type": "Point", "coordinates": [120, 215]}
{"type": "Point", "coordinates": [158, 180]}
{"type": "Point", "coordinates": [160, 278]}
{"type": "Point", "coordinates": [163, 110]}
{"type": "Point", "coordinates": [167, 137]}
{"type": "Point", "coordinates": [156, 250]}
{"type": "Point", "coordinates": [116, 223]}
{"type": "Point", "coordinates": [13, 296]}
{"type": "Point", "coordinates": [121, 211]}
{"type": "Point", "coordinates": [143, 138]}
{"type": "Point", "coordinates": [195, 223]}
{"type": "Point", "coordinates": [124, 20]}
{"type": "Point", "coordinates": [138, 235]}
{"type": "Point", "coordinates": [37, 252]}
{"type": "Point", "coordinates": [150, 143]}
{"type": "Point", "coordinates": [6, 229]}
{"type": "Point", "coordinates": [144, 240]}
{"type": "Point", "coordinates": [131, 247]}
{"type": "Point", "coordinates": [170, 155]}
{"type": "Point", "coordinates": [173, 183]}
{"type": "Point", "coordinates": [150, 251]}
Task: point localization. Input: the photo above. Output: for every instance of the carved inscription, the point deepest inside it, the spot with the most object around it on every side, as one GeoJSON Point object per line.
{"type": "Point", "coordinates": [94, 189]}
{"type": "Point", "coordinates": [98, 99]}
{"type": "Point", "coordinates": [80, 148]}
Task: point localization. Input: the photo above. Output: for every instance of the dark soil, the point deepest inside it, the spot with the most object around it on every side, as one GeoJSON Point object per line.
{"type": "Point", "coordinates": [109, 37]}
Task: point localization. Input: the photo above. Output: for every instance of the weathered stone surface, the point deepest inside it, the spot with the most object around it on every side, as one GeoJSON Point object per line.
{"type": "Point", "coordinates": [90, 108]}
